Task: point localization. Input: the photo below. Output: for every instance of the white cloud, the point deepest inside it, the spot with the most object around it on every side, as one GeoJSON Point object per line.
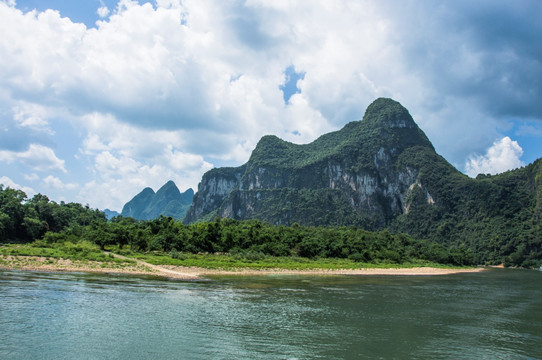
{"type": "Point", "coordinates": [171, 67]}
{"type": "Point", "coordinates": [31, 177]}
{"type": "Point", "coordinates": [120, 178]}
{"type": "Point", "coordinates": [118, 167]}
{"type": "Point", "coordinates": [162, 91]}
{"type": "Point", "coordinates": [7, 182]}
{"type": "Point", "coordinates": [37, 157]}
{"type": "Point", "coordinates": [109, 166]}
{"type": "Point", "coordinates": [502, 156]}
{"type": "Point", "coordinates": [52, 182]}
{"type": "Point", "coordinates": [102, 11]}
{"type": "Point", "coordinates": [32, 116]}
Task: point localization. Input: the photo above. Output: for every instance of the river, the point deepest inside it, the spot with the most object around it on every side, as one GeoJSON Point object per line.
{"type": "Point", "coordinates": [495, 314]}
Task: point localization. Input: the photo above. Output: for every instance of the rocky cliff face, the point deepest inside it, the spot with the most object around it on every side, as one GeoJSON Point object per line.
{"type": "Point", "coordinates": [355, 176]}
{"type": "Point", "coordinates": [381, 173]}
{"type": "Point", "coordinates": [213, 189]}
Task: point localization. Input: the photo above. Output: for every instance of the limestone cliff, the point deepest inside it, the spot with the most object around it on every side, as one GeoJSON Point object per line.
{"type": "Point", "coordinates": [213, 189]}
{"type": "Point", "coordinates": [354, 176]}
{"type": "Point", "coordinates": [381, 173]}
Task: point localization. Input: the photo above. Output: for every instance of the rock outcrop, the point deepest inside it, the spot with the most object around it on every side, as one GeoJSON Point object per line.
{"type": "Point", "coordinates": [355, 176]}
{"type": "Point", "coordinates": [381, 173]}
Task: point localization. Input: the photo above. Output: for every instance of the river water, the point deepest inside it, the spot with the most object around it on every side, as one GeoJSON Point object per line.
{"type": "Point", "coordinates": [495, 314]}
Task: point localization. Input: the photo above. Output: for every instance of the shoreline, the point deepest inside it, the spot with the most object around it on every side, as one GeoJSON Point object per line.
{"type": "Point", "coordinates": [33, 263]}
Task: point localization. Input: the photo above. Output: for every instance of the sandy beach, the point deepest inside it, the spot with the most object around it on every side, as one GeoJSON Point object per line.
{"type": "Point", "coordinates": [32, 263]}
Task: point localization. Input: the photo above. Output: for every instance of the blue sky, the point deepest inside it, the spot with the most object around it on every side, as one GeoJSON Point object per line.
{"type": "Point", "coordinates": [99, 99]}
{"type": "Point", "coordinates": [82, 11]}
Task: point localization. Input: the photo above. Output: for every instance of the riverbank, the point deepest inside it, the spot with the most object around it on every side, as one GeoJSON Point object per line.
{"type": "Point", "coordinates": [139, 267]}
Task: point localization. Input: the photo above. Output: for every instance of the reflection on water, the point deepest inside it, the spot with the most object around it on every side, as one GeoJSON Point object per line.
{"type": "Point", "coordinates": [490, 315]}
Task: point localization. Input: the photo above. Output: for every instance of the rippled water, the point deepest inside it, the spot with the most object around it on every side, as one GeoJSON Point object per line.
{"type": "Point", "coordinates": [491, 315]}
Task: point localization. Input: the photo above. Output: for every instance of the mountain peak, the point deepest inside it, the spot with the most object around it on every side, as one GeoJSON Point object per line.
{"type": "Point", "coordinates": [362, 169]}
{"type": "Point", "coordinates": [169, 188]}
{"type": "Point", "coordinates": [167, 201]}
{"type": "Point", "coordinates": [170, 183]}
{"type": "Point", "coordinates": [391, 122]}
{"type": "Point", "coordinates": [146, 191]}
{"type": "Point", "coordinates": [388, 113]}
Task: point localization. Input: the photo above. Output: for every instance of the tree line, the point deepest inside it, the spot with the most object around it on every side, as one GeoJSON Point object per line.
{"type": "Point", "coordinates": [26, 220]}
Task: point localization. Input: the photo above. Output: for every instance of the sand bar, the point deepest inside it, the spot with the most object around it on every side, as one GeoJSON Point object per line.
{"type": "Point", "coordinates": [33, 263]}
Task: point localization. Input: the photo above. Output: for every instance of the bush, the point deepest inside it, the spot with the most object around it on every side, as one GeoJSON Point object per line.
{"type": "Point", "coordinates": [178, 255]}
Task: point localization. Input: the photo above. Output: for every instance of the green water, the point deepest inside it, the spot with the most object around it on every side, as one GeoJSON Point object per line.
{"type": "Point", "coordinates": [491, 315]}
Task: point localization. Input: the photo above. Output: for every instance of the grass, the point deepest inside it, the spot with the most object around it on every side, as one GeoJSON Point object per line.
{"type": "Point", "coordinates": [84, 251]}
{"type": "Point", "coordinates": [80, 251]}
{"type": "Point", "coordinates": [239, 261]}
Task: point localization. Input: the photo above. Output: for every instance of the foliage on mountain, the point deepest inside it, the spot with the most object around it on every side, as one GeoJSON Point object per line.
{"type": "Point", "coordinates": [167, 201]}
{"type": "Point", "coordinates": [382, 173]}
{"type": "Point", "coordinates": [26, 220]}
{"type": "Point", "coordinates": [497, 217]}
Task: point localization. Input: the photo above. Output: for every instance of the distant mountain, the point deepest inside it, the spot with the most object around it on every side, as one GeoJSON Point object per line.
{"type": "Point", "coordinates": [109, 214]}
{"type": "Point", "coordinates": [167, 201]}
{"type": "Point", "coordinates": [381, 173]}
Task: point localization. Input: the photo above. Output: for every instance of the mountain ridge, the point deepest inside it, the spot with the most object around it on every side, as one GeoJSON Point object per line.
{"type": "Point", "coordinates": [167, 201]}
{"type": "Point", "coordinates": [378, 173]}
{"type": "Point", "coordinates": [277, 164]}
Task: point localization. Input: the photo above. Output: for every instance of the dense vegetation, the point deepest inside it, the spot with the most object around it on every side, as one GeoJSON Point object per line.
{"type": "Point", "coordinates": [61, 224]}
{"type": "Point", "coordinates": [383, 173]}
{"type": "Point", "coordinates": [496, 217]}
{"type": "Point", "coordinates": [24, 220]}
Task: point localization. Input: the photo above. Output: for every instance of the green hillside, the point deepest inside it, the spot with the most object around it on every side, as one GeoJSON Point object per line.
{"type": "Point", "coordinates": [381, 173]}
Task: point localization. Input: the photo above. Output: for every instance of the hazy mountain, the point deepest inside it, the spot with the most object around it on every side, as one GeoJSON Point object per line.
{"type": "Point", "coordinates": [109, 214]}
{"type": "Point", "coordinates": [167, 201]}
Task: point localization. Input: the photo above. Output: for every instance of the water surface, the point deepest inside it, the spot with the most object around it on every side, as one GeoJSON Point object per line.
{"type": "Point", "coordinates": [490, 315]}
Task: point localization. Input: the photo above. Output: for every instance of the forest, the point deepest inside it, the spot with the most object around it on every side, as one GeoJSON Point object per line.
{"type": "Point", "coordinates": [24, 220]}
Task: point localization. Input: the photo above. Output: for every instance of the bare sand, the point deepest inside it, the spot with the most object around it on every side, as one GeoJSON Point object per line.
{"type": "Point", "coordinates": [33, 263]}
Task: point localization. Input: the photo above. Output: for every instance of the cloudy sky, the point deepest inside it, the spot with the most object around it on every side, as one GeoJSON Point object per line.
{"type": "Point", "coordinates": [101, 98]}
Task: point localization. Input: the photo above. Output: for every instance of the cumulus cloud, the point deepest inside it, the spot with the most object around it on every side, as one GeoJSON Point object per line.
{"type": "Point", "coordinates": [31, 177]}
{"type": "Point", "coordinates": [502, 156]}
{"type": "Point", "coordinates": [219, 65]}
{"type": "Point", "coordinates": [120, 178]}
{"type": "Point", "coordinates": [32, 116]}
{"type": "Point", "coordinates": [54, 182]}
{"type": "Point", "coordinates": [7, 182]}
{"type": "Point", "coordinates": [169, 89]}
{"type": "Point", "coordinates": [36, 157]}
{"type": "Point", "coordinates": [103, 10]}
{"type": "Point", "coordinates": [126, 158]}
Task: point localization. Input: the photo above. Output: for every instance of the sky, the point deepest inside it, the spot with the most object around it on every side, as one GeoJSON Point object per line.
{"type": "Point", "coordinates": [102, 98]}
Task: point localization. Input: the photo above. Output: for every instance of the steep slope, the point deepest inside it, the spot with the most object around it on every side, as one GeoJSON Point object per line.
{"type": "Point", "coordinates": [348, 177]}
{"type": "Point", "coordinates": [380, 172]}
{"type": "Point", "coordinates": [498, 217]}
{"type": "Point", "coordinates": [136, 207]}
{"type": "Point", "coordinates": [167, 201]}
{"type": "Point", "coordinates": [213, 189]}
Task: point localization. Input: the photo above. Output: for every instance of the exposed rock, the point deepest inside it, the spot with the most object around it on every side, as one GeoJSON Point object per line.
{"type": "Point", "coordinates": [354, 171]}
{"type": "Point", "coordinates": [380, 173]}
